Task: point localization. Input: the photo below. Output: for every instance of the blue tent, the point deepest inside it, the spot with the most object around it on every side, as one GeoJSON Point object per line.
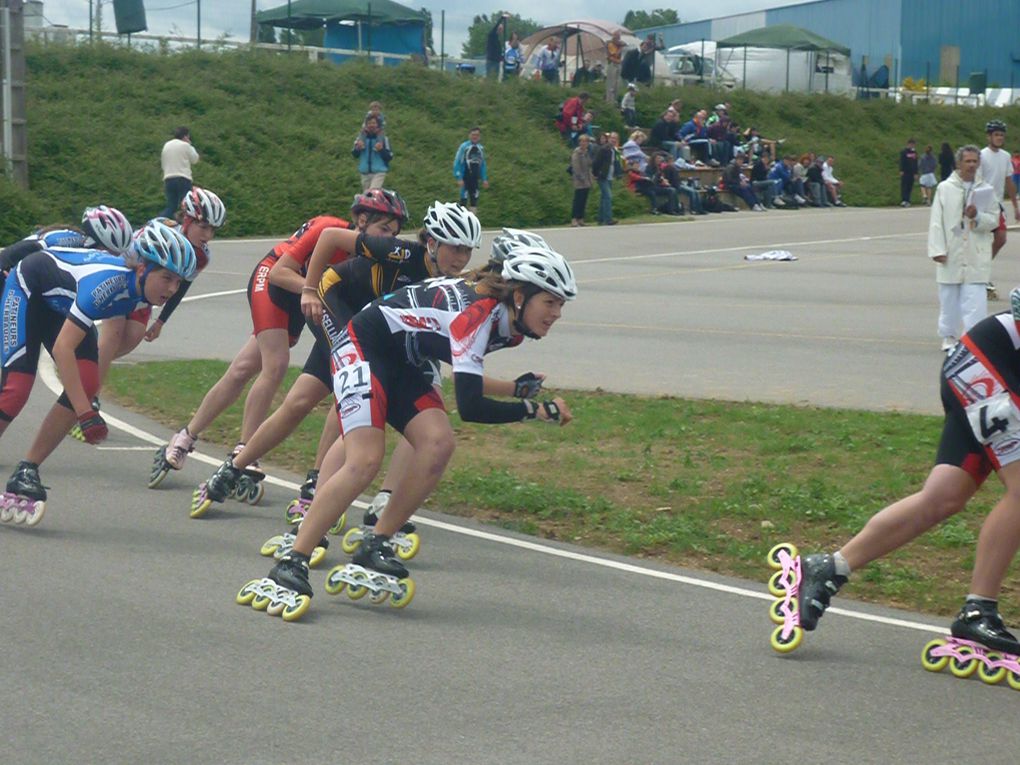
{"type": "Point", "coordinates": [372, 26]}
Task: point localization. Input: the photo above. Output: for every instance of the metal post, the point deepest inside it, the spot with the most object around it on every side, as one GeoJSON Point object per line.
{"type": "Point", "coordinates": [828, 66]}
{"type": "Point", "coordinates": [744, 83]}
{"type": "Point", "coordinates": [199, 35]}
{"type": "Point", "coordinates": [927, 81]}
{"type": "Point", "coordinates": [956, 90]}
{"type": "Point", "coordinates": [442, 41]}
{"type": "Point", "coordinates": [8, 94]}
{"type": "Point", "coordinates": [90, 21]}
{"type": "Point", "coordinates": [369, 35]}
{"type": "Point", "coordinates": [787, 68]}
{"type": "Point", "coordinates": [290, 33]}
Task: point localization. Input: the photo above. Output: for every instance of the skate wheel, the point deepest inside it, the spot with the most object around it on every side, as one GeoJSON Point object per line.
{"type": "Point", "coordinates": [406, 553]}
{"type": "Point", "coordinates": [293, 613]}
{"type": "Point", "coordinates": [35, 515]}
{"type": "Point", "coordinates": [406, 593]}
{"type": "Point", "coordinates": [261, 602]}
{"type": "Point", "coordinates": [1013, 680]}
{"type": "Point", "coordinates": [790, 643]}
{"type": "Point", "coordinates": [337, 527]}
{"type": "Point", "coordinates": [989, 674]}
{"type": "Point", "coordinates": [316, 557]}
{"type": "Point", "coordinates": [270, 546]}
{"type": "Point", "coordinates": [293, 511]}
{"type": "Point", "coordinates": [255, 494]}
{"type": "Point", "coordinates": [776, 610]}
{"type": "Point", "coordinates": [351, 541]}
{"type": "Point", "coordinates": [773, 556]}
{"type": "Point", "coordinates": [378, 598]}
{"type": "Point", "coordinates": [275, 609]}
{"type": "Point", "coordinates": [780, 583]}
{"type": "Point", "coordinates": [6, 513]}
{"type": "Point", "coordinates": [335, 586]}
{"type": "Point", "coordinates": [356, 591]}
{"type": "Point", "coordinates": [247, 593]}
{"type": "Point", "coordinates": [966, 665]}
{"type": "Point", "coordinates": [200, 502]}
{"type": "Point", "coordinates": [156, 477]}
{"type": "Point", "coordinates": [931, 662]}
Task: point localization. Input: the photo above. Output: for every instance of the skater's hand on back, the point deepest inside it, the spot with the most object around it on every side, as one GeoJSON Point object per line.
{"type": "Point", "coordinates": [93, 427]}
{"type": "Point", "coordinates": [311, 306]}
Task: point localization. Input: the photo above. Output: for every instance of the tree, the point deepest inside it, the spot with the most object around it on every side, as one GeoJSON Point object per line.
{"type": "Point", "coordinates": [645, 19]}
{"type": "Point", "coordinates": [428, 29]}
{"type": "Point", "coordinates": [479, 30]}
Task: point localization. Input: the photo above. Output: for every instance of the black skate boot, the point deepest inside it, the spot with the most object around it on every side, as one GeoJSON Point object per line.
{"type": "Point", "coordinates": [980, 622]}
{"type": "Point", "coordinates": [25, 482]}
{"type": "Point", "coordinates": [25, 498]}
{"type": "Point", "coordinates": [308, 487]}
{"type": "Point", "coordinates": [819, 582]}
{"type": "Point", "coordinates": [223, 482]}
{"type": "Point", "coordinates": [292, 572]}
{"type": "Point", "coordinates": [376, 554]}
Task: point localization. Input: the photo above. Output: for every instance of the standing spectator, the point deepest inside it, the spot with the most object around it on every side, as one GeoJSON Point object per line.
{"type": "Point", "coordinates": [833, 185]}
{"type": "Point", "coordinates": [908, 172]}
{"type": "Point", "coordinates": [1016, 169]}
{"type": "Point", "coordinates": [494, 48]}
{"type": "Point", "coordinates": [947, 162]}
{"type": "Point", "coordinates": [648, 48]}
{"type": "Point", "coordinates": [372, 149]}
{"type": "Point", "coordinates": [926, 167]}
{"type": "Point", "coordinates": [614, 59]}
{"type": "Point", "coordinates": [576, 119]}
{"type": "Point", "coordinates": [470, 169]}
{"type": "Point", "coordinates": [960, 243]}
{"type": "Point", "coordinates": [997, 171]}
{"type": "Point", "coordinates": [606, 168]}
{"type": "Point", "coordinates": [628, 106]}
{"type": "Point", "coordinates": [512, 58]}
{"type": "Point", "coordinates": [580, 169]}
{"type": "Point", "coordinates": [177, 157]}
{"type": "Point", "coordinates": [548, 61]}
{"type": "Point", "coordinates": [734, 181]}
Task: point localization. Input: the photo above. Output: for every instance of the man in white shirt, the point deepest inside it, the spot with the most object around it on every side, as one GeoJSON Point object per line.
{"type": "Point", "coordinates": [833, 185]}
{"type": "Point", "coordinates": [996, 169]}
{"type": "Point", "coordinates": [177, 158]}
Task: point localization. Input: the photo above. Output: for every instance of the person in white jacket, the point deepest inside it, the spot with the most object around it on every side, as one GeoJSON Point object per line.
{"type": "Point", "coordinates": [964, 213]}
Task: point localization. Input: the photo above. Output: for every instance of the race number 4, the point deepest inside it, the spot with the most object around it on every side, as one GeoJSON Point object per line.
{"type": "Point", "coordinates": [994, 418]}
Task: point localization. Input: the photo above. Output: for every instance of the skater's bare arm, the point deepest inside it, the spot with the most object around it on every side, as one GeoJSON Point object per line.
{"type": "Point", "coordinates": [67, 342]}
{"type": "Point", "coordinates": [330, 240]}
{"type": "Point", "coordinates": [286, 273]}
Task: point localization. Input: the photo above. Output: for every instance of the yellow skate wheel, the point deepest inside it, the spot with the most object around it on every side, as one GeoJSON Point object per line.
{"type": "Point", "coordinates": [261, 602]}
{"type": "Point", "coordinates": [293, 516]}
{"type": "Point", "coordinates": [351, 541]}
{"type": "Point", "coordinates": [337, 527]}
{"type": "Point", "coordinates": [930, 662]}
{"type": "Point", "coordinates": [357, 591]}
{"type": "Point", "coordinates": [270, 546]}
{"type": "Point", "coordinates": [791, 643]}
{"type": "Point", "coordinates": [773, 556]}
{"type": "Point", "coordinates": [1013, 680]}
{"type": "Point", "coordinates": [247, 593]}
{"type": "Point", "coordinates": [412, 550]}
{"type": "Point", "coordinates": [316, 557]}
{"type": "Point", "coordinates": [275, 609]}
{"type": "Point", "coordinates": [378, 598]}
{"type": "Point", "coordinates": [780, 583]}
{"type": "Point", "coordinates": [991, 675]}
{"type": "Point", "coordinates": [406, 593]}
{"type": "Point", "coordinates": [295, 612]}
{"type": "Point", "coordinates": [966, 665]}
{"type": "Point", "coordinates": [200, 504]}
{"type": "Point", "coordinates": [333, 586]}
{"type": "Point", "coordinates": [776, 613]}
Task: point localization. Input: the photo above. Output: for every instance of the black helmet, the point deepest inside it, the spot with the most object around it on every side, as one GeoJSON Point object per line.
{"type": "Point", "coordinates": [995, 126]}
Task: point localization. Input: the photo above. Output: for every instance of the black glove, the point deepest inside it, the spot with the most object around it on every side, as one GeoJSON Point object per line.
{"type": "Point", "coordinates": [93, 427]}
{"type": "Point", "coordinates": [527, 385]}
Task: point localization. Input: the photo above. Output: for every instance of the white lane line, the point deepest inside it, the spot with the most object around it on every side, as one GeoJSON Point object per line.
{"type": "Point", "coordinates": [189, 298]}
{"type": "Point", "coordinates": [124, 448]}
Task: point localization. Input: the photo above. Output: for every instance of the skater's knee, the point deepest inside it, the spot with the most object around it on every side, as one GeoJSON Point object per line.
{"type": "Point", "coordinates": [437, 449]}
{"type": "Point", "coordinates": [274, 368]}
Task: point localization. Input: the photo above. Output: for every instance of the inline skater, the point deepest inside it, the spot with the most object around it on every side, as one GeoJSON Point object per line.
{"type": "Point", "coordinates": [378, 378]}
{"type": "Point", "coordinates": [274, 297]}
{"type": "Point", "coordinates": [53, 299]}
{"type": "Point", "coordinates": [980, 384]}
{"type": "Point", "coordinates": [102, 228]}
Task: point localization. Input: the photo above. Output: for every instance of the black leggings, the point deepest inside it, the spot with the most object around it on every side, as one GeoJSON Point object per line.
{"type": "Point", "coordinates": [580, 202]}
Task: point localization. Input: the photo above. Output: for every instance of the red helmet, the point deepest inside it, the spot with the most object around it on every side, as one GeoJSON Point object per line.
{"type": "Point", "coordinates": [380, 201]}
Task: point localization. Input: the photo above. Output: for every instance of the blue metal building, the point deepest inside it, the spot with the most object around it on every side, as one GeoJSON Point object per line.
{"type": "Point", "coordinates": [943, 41]}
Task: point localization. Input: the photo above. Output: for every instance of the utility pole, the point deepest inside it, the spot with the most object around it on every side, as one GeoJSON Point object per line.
{"type": "Point", "coordinates": [254, 26]}
{"type": "Point", "coordinates": [199, 35]}
{"type": "Point", "coordinates": [12, 91]}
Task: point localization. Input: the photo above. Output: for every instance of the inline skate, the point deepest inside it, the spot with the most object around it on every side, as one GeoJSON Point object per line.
{"type": "Point", "coordinates": [285, 592]}
{"type": "Point", "coordinates": [803, 587]}
{"type": "Point", "coordinates": [25, 498]}
{"type": "Point", "coordinates": [249, 487]}
{"type": "Point", "coordinates": [374, 571]}
{"type": "Point", "coordinates": [978, 642]}
{"type": "Point", "coordinates": [222, 484]}
{"type": "Point", "coordinates": [76, 432]}
{"type": "Point", "coordinates": [171, 456]}
{"type": "Point", "coordinates": [405, 542]}
{"type": "Point", "coordinates": [281, 544]}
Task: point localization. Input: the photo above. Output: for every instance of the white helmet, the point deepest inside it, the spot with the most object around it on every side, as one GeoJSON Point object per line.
{"type": "Point", "coordinates": [546, 269]}
{"type": "Point", "coordinates": [204, 206]}
{"type": "Point", "coordinates": [512, 238]}
{"type": "Point", "coordinates": [108, 228]}
{"type": "Point", "coordinates": [451, 223]}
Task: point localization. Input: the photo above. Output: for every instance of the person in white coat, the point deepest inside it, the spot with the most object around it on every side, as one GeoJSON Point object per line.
{"type": "Point", "coordinates": [964, 213]}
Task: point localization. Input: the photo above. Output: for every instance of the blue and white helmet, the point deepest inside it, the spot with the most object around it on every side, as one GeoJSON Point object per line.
{"type": "Point", "coordinates": [108, 227]}
{"type": "Point", "coordinates": [164, 246]}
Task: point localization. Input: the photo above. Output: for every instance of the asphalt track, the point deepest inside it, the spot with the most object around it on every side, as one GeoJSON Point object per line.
{"type": "Point", "coordinates": [121, 642]}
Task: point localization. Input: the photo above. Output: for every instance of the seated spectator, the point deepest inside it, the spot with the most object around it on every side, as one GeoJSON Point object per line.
{"type": "Point", "coordinates": [762, 184]}
{"type": "Point", "coordinates": [575, 119]}
{"type": "Point", "coordinates": [670, 170]}
{"type": "Point", "coordinates": [664, 133]}
{"type": "Point", "coordinates": [833, 186]}
{"type": "Point", "coordinates": [720, 145]}
{"type": "Point", "coordinates": [632, 151]}
{"type": "Point", "coordinates": [733, 181]}
{"type": "Point", "coordinates": [628, 105]}
{"type": "Point", "coordinates": [787, 187]}
{"type": "Point", "coordinates": [659, 196]}
{"type": "Point", "coordinates": [719, 112]}
{"type": "Point", "coordinates": [694, 134]}
{"type": "Point", "coordinates": [817, 195]}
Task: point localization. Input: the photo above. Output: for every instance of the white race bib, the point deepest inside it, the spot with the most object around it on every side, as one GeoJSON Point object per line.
{"type": "Point", "coordinates": [352, 380]}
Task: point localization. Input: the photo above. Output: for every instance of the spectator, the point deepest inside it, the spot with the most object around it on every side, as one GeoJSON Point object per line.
{"type": "Point", "coordinates": [787, 186]}
{"type": "Point", "coordinates": [816, 183]}
{"type": "Point", "coordinates": [580, 170]}
{"type": "Point", "coordinates": [628, 106]}
{"type": "Point", "coordinates": [664, 133]}
{"type": "Point", "coordinates": [670, 170]}
{"type": "Point", "coordinates": [833, 186]}
{"type": "Point", "coordinates": [719, 143]}
{"type": "Point", "coordinates": [926, 167]}
{"type": "Point", "coordinates": [513, 60]}
{"type": "Point", "coordinates": [647, 66]}
{"type": "Point", "coordinates": [752, 145]}
{"type": "Point", "coordinates": [470, 169]}
{"type": "Point", "coordinates": [694, 135]}
{"type": "Point", "coordinates": [632, 152]}
{"type": "Point", "coordinates": [548, 61]}
{"type": "Point", "coordinates": [575, 119]}
{"type": "Point", "coordinates": [908, 172]}
{"type": "Point", "coordinates": [372, 150]}
{"type": "Point", "coordinates": [960, 243]}
{"type": "Point", "coordinates": [799, 176]}
{"type": "Point", "coordinates": [614, 59]}
{"type": "Point", "coordinates": [762, 184]}
{"type": "Point", "coordinates": [947, 162]}
{"type": "Point", "coordinates": [494, 48]}
{"type": "Point", "coordinates": [734, 181]}
{"type": "Point", "coordinates": [177, 157]}
{"type": "Point", "coordinates": [606, 168]}
{"type": "Point", "coordinates": [1015, 159]}
{"type": "Point", "coordinates": [719, 112]}
{"type": "Point", "coordinates": [375, 110]}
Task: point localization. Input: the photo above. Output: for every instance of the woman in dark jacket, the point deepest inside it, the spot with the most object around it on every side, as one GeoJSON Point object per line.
{"type": "Point", "coordinates": [580, 170]}
{"type": "Point", "coordinates": [947, 162]}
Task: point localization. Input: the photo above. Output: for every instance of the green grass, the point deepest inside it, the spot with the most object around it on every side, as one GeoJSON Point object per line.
{"type": "Point", "coordinates": [710, 485]}
{"type": "Point", "coordinates": [275, 134]}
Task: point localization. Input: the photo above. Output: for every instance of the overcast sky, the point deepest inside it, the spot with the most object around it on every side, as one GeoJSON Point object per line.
{"type": "Point", "coordinates": [233, 16]}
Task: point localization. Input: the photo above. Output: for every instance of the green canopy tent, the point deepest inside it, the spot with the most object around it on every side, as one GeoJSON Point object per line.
{"type": "Point", "coordinates": [765, 47]}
